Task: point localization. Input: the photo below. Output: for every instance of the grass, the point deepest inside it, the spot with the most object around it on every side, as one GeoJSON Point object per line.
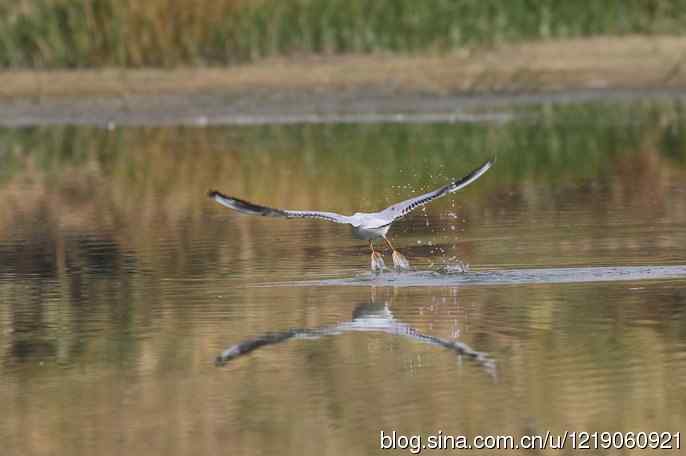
{"type": "Point", "coordinates": [618, 62]}
{"type": "Point", "coordinates": [166, 33]}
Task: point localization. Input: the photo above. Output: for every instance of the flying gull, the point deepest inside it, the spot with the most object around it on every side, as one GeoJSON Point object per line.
{"type": "Point", "coordinates": [366, 226]}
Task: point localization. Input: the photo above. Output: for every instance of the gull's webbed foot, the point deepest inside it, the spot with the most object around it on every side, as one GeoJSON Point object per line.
{"type": "Point", "coordinates": [377, 264]}
{"type": "Point", "coordinates": [400, 262]}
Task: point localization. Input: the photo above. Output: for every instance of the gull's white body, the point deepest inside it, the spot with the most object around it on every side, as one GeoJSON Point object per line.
{"type": "Point", "coordinates": [367, 226]}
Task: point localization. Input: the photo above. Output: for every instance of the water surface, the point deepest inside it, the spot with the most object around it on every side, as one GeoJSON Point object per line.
{"type": "Point", "coordinates": [121, 284]}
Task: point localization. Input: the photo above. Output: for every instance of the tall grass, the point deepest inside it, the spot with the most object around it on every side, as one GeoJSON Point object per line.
{"type": "Point", "coordinates": [89, 33]}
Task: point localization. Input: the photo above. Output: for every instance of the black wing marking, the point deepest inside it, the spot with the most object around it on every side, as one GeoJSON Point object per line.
{"type": "Point", "coordinates": [247, 207]}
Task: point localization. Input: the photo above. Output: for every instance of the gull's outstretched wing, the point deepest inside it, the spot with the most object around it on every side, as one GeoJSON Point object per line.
{"type": "Point", "coordinates": [255, 209]}
{"type": "Point", "coordinates": [404, 207]}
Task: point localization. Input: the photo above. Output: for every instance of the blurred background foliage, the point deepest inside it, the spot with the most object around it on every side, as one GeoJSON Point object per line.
{"type": "Point", "coordinates": [168, 33]}
{"type": "Point", "coordinates": [576, 139]}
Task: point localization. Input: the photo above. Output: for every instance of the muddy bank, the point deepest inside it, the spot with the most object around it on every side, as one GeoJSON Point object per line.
{"type": "Point", "coordinates": [456, 87]}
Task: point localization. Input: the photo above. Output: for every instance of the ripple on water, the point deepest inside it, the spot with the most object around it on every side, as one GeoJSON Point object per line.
{"type": "Point", "coordinates": [442, 278]}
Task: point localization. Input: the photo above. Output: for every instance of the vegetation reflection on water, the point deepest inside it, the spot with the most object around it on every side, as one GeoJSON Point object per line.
{"type": "Point", "coordinates": [120, 283]}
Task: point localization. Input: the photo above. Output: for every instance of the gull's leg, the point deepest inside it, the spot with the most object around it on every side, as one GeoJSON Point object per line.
{"type": "Point", "coordinates": [377, 263]}
{"type": "Point", "coordinates": [399, 261]}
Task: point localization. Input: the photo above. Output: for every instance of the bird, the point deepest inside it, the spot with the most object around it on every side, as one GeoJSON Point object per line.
{"type": "Point", "coordinates": [368, 226]}
{"type": "Point", "coordinates": [367, 317]}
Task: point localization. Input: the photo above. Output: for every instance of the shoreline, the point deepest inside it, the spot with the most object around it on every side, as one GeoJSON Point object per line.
{"type": "Point", "coordinates": [253, 108]}
{"type": "Point", "coordinates": [373, 88]}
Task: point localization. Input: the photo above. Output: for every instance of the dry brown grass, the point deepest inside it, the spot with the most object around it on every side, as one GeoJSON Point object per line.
{"type": "Point", "coordinates": [629, 62]}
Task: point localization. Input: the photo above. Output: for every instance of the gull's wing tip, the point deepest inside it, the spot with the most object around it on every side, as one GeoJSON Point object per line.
{"type": "Point", "coordinates": [213, 194]}
{"type": "Point", "coordinates": [488, 164]}
{"type": "Point", "coordinates": [474, 175]}
{"type": "Point", "coordinates": [245, 206]}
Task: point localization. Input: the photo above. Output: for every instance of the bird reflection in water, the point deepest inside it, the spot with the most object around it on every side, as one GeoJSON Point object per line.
{"type": "Point", "coordinates": [367, 317]}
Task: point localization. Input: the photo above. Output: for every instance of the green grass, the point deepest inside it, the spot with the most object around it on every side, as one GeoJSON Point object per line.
{"type": "Point", "coordinates": [91, 33]}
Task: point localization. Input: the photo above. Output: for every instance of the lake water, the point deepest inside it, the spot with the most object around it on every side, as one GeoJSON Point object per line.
{"type": "Point", "coordinates": [139, 317]}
